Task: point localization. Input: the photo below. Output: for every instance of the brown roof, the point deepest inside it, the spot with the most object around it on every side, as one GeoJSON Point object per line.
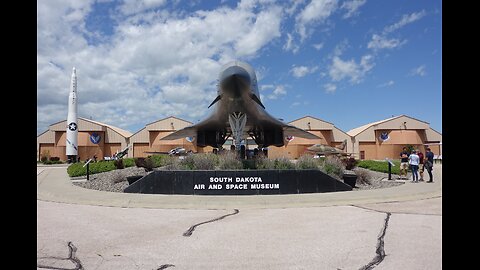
{"type": "Point", "coordinates": [354, 132]}
{"type": "Point", "coordinates": [124, 133]}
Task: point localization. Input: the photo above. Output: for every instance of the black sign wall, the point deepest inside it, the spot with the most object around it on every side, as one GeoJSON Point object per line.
{"type": "Point", "coordinates": [248, 182]}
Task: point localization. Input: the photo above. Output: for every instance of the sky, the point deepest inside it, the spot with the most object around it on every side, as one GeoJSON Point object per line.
{"type": "Point", "coordinates": [346, 62]}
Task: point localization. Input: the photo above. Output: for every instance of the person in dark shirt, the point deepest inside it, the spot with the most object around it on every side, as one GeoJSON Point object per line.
{"type": "Point", "coordinates": [420, 165]}
{"type": "Point", "coordinates": [403, 163]}
{"type": "Point", "coordinates": [428, 164]}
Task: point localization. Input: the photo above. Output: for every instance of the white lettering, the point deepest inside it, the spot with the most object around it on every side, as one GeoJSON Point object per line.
{"type": "Point", "coordinates": [236, 186]}
{"type": "Point", "coordinates": [220, 179]}
{"type": "Point", "coordinates": [252, 179]}
{"type": "Point", "coordinates": [264, 186]}
{"type": "Point", "coordinates": [199, 186]}
{"type": "Point", "coordinates": [215, 186]}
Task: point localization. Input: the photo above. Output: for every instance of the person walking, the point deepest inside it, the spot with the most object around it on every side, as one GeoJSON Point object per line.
{"type": "Point", "coordinates": [403, 163]}
{"type": "Point", "coordinates": [414, 160]}
{"type": "Point", "coordinates": [420, 164]}
{"type": "Point", "coordinates": [428, 164]}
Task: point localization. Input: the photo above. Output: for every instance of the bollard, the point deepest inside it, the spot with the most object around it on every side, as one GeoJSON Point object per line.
{"type": "Point", "coordinates": [389, 171]}
{"type": "Point", "coordinates": [390, 164]}
{"type": "Point", "coordinates": [88, 168]}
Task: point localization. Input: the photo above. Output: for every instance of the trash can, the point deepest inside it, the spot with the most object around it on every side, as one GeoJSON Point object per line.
{"type": "Point", "coordinates": [350, 178]}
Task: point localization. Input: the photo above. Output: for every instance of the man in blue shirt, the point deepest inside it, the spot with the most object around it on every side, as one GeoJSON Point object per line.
{"type": "Point", "coordinates": [403, 163]}
{"type": "Point", "coordinates": [429, 164]}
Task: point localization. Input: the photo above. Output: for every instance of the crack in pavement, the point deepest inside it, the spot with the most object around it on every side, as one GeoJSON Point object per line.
{"type": "Point", "coordinates": [71, 257]}
{"type": "Point", "coordinates": [380, 251]}
{"type": "Point", "coordinates": [165, 266]}
{"type": "Point", "coordinates": [191, 229]}
{"type": "Point", "coordinates": [393, 212]}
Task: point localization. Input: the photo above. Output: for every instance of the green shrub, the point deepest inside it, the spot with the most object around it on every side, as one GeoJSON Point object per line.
{"type": "Point", "coordinates": [249, 164]}
{"type": "Point", "coordinates": [229, 161]}
{"type": "Point", "coordinates": [175, 165]}
{"type": "Point", "coordinates": [263, 163]}
{"type": "Point", "coordinates": [283, 163]}
{"type": "Point", "coordinates": [379, 166]}
{"type": "Point", "coordinates": [129, 162]}
{"type": "Point", "coordinates": [333, 166]}
{"type": "Point", "coordinates": [161, 160]}
{"type": "Point", "coordinates": [200, 162]}
{"type": "Point", "coordinates": [49, 162]}
{"type": "Point", "coordinates": [77, 169]}
{"type": "Point", "coordinates": [145, 163]}
{"type": "Point", "coordinates": [119, 164]}
{"type": "Point", "coordinates": [54, 159]}
{"type": "Point", "coordinates": [349, 163]}
{"type": "Point", "coordinates": [307, 162]}
{"type": "Point", "coordinates": [363, 176]}
{"type": "Point", "coordinates": [188, 163]}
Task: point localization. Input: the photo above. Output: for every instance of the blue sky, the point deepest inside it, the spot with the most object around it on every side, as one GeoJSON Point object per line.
{"type": "Point", "coordinates": [347, 62]}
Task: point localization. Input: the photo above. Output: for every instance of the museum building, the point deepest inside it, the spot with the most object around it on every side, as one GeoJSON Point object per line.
{"type": "Point", "coordinates": [377, 140]}
{"type": "Point", "coordinates": [147, 141]}
{"type": "Point", "coordinates": [386, 138]}
{"type": "Point", "coordinates": [94, 138]}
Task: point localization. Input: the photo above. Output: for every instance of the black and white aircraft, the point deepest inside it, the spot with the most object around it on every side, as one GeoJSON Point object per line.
{"type": "Point", "coordinates": [238, 112]}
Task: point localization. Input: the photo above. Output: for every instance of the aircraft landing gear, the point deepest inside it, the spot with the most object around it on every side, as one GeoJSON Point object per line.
{"type": "Point", "coordinates": [237, 121]}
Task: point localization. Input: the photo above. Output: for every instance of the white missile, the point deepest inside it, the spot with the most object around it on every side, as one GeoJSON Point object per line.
{"type": "Point", "coordinates": [72, 124]}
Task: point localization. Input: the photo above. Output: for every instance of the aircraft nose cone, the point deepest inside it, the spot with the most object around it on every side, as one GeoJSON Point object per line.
{"type": "Point", "coordinates": [237, 71]}
{"type": "Point", "coordinates": [234, 80]}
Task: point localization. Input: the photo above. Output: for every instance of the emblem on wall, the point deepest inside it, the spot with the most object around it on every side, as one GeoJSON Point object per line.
{"type": "Point", "coordinates": [289, 138]}
{"type": "Point", "coordinates": [95, 138]}
{"type": "Point", "coordinates": [72, 126]}
{"type": "Point", "coordinates": [190, 139]}
{"type": "Point", "coordinates": [384, 136]}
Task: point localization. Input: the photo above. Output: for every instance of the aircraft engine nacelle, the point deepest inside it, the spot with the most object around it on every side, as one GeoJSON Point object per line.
{"type": "Point", "coordinates": [270, 137]}
{"type": "Point", "coordinates": [211, 138]}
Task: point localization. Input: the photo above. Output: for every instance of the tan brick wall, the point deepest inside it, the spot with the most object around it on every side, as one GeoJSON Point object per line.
{"type": "Point", "coordinates": [370, 149]}
{"type": "Point", "coordinates": [111, 148]}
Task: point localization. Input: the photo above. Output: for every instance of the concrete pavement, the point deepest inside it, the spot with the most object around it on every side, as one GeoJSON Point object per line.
{"type": "Point", "coordinates": [342, 230]}
{"type": "Point", "coordinates": [54, 185]}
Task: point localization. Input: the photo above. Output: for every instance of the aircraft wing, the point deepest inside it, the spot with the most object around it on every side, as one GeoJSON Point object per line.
{"type": "Point", "coordinates": [297, 132]}
{"type": "Point", "coordinates": [182, 133]}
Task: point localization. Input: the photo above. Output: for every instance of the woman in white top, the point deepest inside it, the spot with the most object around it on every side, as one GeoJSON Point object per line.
{"type": "Point", "coordinates": [414, 160]}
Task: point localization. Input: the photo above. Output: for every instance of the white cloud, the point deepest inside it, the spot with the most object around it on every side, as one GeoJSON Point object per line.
{"type": "Point", "coordinates": [289, 45]}
{"type": "Point", "coordinates": [265, 87]}
{"type": "Point", "coordinates": [293, 6]}
{"type": "Point", "coordinates": [381, 42]}
{"type": "Point", "coordinates": [279, 91]}
{"type": "Point", "coordinates": [136, 6]}
{"type": "Point", "coordinates": [352, 7]}
{"type": "Point", "coordinates": [340, 47]}
{"type": "Point", "coordinates": [296, 103]}
{"type": "Point", "coordinates": [301, 71]}
{"type": "Point", "coordinates": [418, 71]}
{"type": "Point", "coordinates": [330, 88]}
{"type": "Point", "coordinates": [406, 19]}
{"type": "Point", "coordinates": [317, 11]}
{"type": "Point", "coordinates": [387, 84]}
{"type": "Point", "coordinates": [265, 28]}
{"type": "Point", "coordinates": [318, 46]}
{"type": "Point", "coordinates": [166, 65]}
{"type": "Point", "coordinates": [341, 69]}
